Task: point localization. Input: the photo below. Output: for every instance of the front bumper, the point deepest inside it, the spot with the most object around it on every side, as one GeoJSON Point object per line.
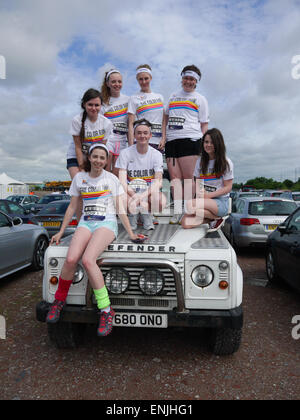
{"type": "Point", "coordinates": [231, 318]}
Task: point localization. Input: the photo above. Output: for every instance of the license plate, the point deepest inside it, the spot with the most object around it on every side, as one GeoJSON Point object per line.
{"type": "Point", "coordinates": [271, 227]}
{"type": "Point", "coordinates": [51, 224]}
{"type": "Point", "coordinates": [141, 320]}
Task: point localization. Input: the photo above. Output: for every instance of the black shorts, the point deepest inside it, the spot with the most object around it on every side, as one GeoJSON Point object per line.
{"type": "Point", "coordinates": [182, 147]}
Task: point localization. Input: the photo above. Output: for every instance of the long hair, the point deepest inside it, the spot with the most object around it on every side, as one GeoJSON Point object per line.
{"type": "Point", "coordinates": [221, 163]}
{"type": "Point", "coordinates": [105, 90]}
{"type": "Point", "coordinates": [88, 95]}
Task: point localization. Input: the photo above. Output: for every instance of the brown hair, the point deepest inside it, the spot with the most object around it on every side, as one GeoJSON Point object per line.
{"type": "Point", "coordinates": [192, 67]}
{"type": "Point", "coordinates": [87, 163]}
{"type": "Point", "coordinates": [144, 66]}
{"type": "Point", "coordinates": [105, 90]}
{"type": "Point", "coordinates": [88, 95]}
{"type": "Point", "coordinates": [221, 163]}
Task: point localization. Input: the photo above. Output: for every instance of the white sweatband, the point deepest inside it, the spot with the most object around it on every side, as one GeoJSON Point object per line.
{"type": "Point", "coordinates": [191, 74]}
{"type": "Point", "coordinates": [111, 72]}
{"type": "Point", "coordinates": [98, 145]}
{"type": "Point", "coordinates": [143, 70]}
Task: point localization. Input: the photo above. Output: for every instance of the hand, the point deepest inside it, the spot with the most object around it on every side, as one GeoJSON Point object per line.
{"type": "Point", "coordinates": [56, 238]}
{"type": "Point", "coordinates": [138, 239]}
{"type": "Point", "coordinates": [161, 145]}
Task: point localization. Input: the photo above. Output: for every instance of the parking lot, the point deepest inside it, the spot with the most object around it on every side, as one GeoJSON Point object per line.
{"type": "Point", "coordinates": [139, 364]}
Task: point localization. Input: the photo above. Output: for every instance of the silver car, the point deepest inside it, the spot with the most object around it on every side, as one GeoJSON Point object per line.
{"type": "Point", "coordinates": [253, 219]}
{"type": "Point", "coordinates": [292, 195]}
{"type": "Point", "coordinates": [21, 245]}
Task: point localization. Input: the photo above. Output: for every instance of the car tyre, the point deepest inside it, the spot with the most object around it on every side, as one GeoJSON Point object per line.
{"type": "Point", "coordinates": [66, 335]}
{"type": "Point", "coordinates": [271, 268]}
{"type": "Point", "coordinates": [225, 341]}
{"type": "Point", "coordinates": [39, 252]}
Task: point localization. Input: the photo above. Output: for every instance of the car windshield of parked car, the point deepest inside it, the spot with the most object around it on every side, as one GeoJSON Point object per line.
{"type": "Point", "coordinates": [15, 198]}
{"type": "Point", "coordinates": [55, 208]}
{"type": "Point", "coordinates": [271, 208]}
{"type": "Point", "coordinates": [48, 198]}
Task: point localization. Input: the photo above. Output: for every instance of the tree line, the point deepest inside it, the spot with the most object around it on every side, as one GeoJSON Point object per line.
{"type": "Point", "coordinates": [261, 183]}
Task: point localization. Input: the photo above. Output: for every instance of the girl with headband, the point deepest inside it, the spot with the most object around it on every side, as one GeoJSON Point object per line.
{"type": "Point", "coordinates": [103, 197]}
{"type": "Point", "coordinates": [146, 104]}
{"type": "Point", "coordinates": [186, 122]}
{"type": "Point", "coordinates": [114, 107]}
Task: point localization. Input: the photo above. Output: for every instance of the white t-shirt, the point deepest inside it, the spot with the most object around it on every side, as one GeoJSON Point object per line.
{"type": "Point", "coordinates": [213, 181]}
{"type": "Point", "coordinates": [151, 107]}
{"type": "Point", "coordinates": [186, 110]}
{"type": "Point", "coordinates": [116, 112]}
{"type": "Point", "coordinates": [97, 195]}
{"type": "Point", "coordinates": [95, 132]}
{"type": "Point", "coordinates": [140, 168]}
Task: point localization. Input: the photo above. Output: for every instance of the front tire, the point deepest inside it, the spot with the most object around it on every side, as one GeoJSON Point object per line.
{"type": "Point", "coordinates": [39, 252]}
{"type": "Point", "coordinates": [271, 269]}
{"type": "Point", "coordinates": [225, 341]}
{"type": "Point", "coordinates": [66, 335]}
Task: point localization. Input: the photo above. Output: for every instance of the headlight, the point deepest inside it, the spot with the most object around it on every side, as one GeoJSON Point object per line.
{"type": "Point", "coordinates": [151, 282]}
{"type": "Point", "coordinates": [117, 281]}
{"type": "Point", "coordinates": [79, 274]}
{"type": "Point", "coordinates": [202, 276]}
{"type": "Point", "coordinates": [53, 262]}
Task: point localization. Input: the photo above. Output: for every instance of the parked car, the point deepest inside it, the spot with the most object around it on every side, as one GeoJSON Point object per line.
{"type": "Point", "coordinates": [283, 252]}
{"type": "Point", "coordinates": [272, 193]}
{"type": "Point", "coordinates": [245, 194]}
{"type": "Point", "coordinates": [52, 215]}
{"type": "Point", "coordinates": [24, 200]}
{"type": "Point", "coordinates": [254, 218]}
{"type": "Point", "coordinates": [292, 195]}
{"type": "Point", "coordinates": [48, 199]}
{"type": "Point", "coordinates": [15, 210]}
{"type": "Point", "coordinates": [21, 245]}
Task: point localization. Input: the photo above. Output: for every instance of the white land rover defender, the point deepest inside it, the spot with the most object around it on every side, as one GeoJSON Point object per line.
{"type": "Point", "coordinates": [178, 277]}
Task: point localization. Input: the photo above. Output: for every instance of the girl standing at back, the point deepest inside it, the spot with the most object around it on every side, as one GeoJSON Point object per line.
{"type": "Point", "coordinates": [114, 107]}
{"type": "Point", "coordinates": [146, 104]}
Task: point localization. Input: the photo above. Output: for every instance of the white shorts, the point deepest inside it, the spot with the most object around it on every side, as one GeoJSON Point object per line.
{"type": "Point", "coordinates": [115, 147]}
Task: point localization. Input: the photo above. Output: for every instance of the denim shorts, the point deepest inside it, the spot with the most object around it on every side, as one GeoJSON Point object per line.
{"type": "Point", "coordinates": [223, 204]}
{"type": "Point", "coordinates": [93, 225]}
{"type": "Point", "coordinates": [72, 163]}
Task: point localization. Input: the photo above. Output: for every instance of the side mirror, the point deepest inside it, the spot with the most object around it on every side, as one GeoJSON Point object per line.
{"type": "Point", "coordinates": [17, 221]}
{"type": "Point", "coordinates": [282, 229]}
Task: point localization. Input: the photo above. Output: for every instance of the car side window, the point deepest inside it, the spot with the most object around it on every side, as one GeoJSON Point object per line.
{"type": "Point", "coordinates": [240, 206]}
{"type": "Point", "coordinates": [3, 207]}
{"type": "Point", "coordinates": [294, 223]}
{"type": "Point", "coordinates": [14, 209]}
{"type": "Point", "coordinates": [3, 221]}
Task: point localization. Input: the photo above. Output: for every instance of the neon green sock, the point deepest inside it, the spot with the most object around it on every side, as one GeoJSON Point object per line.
{"type": "Point", "coordinates": [102, 297]}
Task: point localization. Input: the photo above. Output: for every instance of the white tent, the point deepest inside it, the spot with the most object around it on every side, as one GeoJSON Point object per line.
{"type": "Point", "coordinates": [10, 186]}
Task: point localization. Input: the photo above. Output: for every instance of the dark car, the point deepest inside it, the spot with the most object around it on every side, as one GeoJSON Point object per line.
{"type": "Point", "coordinates": [48, 199]}
{"type": "Point", "coordinates": [15, 210]}
{"type": "Point", "coordinates": [52, 216]}
{"type": "Point", "coordinates": [283, 252]}
{"type": "Point", "coordinates": [25, 200]}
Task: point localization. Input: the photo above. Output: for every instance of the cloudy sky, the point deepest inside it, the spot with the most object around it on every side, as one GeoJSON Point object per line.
{"type": "Point", "coordinates": [248, 53]}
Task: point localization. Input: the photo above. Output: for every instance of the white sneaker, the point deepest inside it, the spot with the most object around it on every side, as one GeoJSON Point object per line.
{"type": "Point", "coordinates": [147, 220]}
{"type": "Point", "coordinates": [175, 219]}
{"type": "Point", "coordinates": [133, 221]}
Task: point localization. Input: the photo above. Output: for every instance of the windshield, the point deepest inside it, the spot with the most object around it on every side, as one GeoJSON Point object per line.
{"type": "Point", "coordinates": [271, 208]}
{"type": "Point", "coordinates": [15, 198]}
{"type": "Point", "coordinates": [55, 208]}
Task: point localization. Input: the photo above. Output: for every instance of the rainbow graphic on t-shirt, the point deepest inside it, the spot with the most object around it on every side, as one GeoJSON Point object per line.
{"type": "Point", "coordinates": [210, 177]}
{"type": "Point", "coordinates": [188, 105]}
{"type": "Point", "coordinates": [116, 114]}
{"type": "Point", "coordinates": [151, 107]}
{"type": "Point", "coordinates": [148, 179]}
{"type": "Point", "coordinates": [96, 139]}
{"type": "Point", "coordinates": [95, 195]}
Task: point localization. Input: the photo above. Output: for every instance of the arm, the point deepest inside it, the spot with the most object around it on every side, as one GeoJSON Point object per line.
{"type": "Point", "coordinates": [131, 119]}
{"type": "Point", "coordinates": [78, 150]}
{"type": "Point", "coordinates": [68, 217]}
{"type": "Point", "coordinates": [123, 180]}
{"type": "Point", "coordinates": [164, 131]}
{"type": "Point", "coordinates": [204, 127]}
{"type": "Point", "coordinates": [120, 208]}
{"type": "Point", "coordinates": [222, 191]}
